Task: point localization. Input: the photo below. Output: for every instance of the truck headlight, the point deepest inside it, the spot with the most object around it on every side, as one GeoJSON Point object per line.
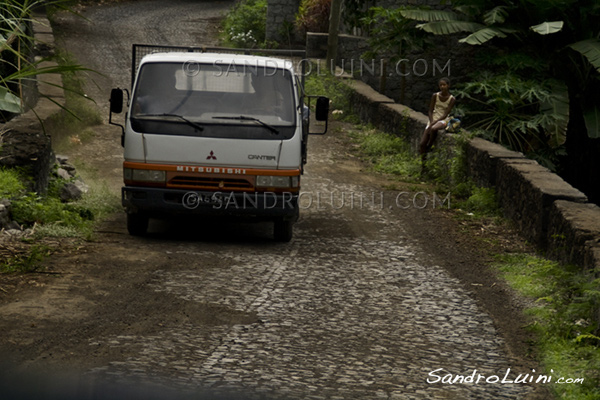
{"type": "Point", "coordinates": [144, 175]}
{"type": "Point", "coordinates": [277, 181]}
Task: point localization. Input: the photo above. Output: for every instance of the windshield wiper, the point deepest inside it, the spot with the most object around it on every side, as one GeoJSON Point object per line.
{"type": "Point", "coordinates": [247, 118]}
{"type": "Point", "coordinates": [181, 117]}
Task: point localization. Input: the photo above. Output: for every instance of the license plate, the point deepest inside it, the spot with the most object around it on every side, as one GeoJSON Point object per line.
{"type": "Point", "coordinates": [192, 200]}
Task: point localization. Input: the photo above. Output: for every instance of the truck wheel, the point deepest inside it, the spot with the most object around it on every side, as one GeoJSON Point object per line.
{"type": "Point", "coordinates": [137, 224]}
{"type": "Point", "coordinates": [283, 230]}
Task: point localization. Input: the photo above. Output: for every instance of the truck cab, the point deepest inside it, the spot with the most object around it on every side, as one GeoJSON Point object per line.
{"type": "Point", "coordinates": [216, 134]}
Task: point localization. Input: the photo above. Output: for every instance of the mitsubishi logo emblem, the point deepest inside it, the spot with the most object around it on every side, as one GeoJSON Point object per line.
{"type": "Point", "coordinates": [211, 156]}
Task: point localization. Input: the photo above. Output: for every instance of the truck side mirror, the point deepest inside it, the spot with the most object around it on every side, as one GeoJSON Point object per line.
{"type": "Point", "coordinates": [322, 109]}
{"type": "Point", "coordinates": [116, 101]}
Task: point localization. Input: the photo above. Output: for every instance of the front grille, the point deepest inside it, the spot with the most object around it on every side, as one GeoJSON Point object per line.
{"type": "Point", "coordinates": [210, 183]}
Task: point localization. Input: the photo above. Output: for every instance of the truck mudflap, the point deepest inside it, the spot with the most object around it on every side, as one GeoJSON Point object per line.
{"type": "Point", "coordinates": [159, 201]}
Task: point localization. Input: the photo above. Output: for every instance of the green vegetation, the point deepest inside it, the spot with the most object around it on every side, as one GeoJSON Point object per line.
{"type": "Point", "coordinates": [16, 42]}
{"type": "Point", "coordinates": [313, 16]}
{"type": "Point", "coordinates": [391, 36]}
{"type": "Point", "coordinates": [48, 214]}
{"type": "Point", "coordinates": [27, 262]}
{"type": "Point", "coordinates": [10, 182]}
{"type": "Point", "coordinates": [245, 24]}
{"type": "Point", "coordinates": [536, 72]}
{"type": "Point", "coordinates": [319, 81]}
{"type": "Point", "coordinates": [388, 154]}
{"type": "Point", "coordinates": [563, 314]}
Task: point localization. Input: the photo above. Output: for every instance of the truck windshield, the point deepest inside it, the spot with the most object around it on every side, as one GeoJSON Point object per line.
{"type": "Point", "coordinates": [206, 93]}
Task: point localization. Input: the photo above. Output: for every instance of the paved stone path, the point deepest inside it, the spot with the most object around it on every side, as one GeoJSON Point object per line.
{"type": "Point", "coordinates": [339, 317]}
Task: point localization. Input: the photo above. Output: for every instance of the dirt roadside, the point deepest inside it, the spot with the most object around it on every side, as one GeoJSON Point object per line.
{"type": "Point", "coordinates": [82, 282]}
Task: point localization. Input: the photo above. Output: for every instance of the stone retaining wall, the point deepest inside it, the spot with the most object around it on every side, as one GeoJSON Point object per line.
{"type": "Point", "coordinates": [23, 141]}
{"type": "Point", "coordinates": [547, 210]}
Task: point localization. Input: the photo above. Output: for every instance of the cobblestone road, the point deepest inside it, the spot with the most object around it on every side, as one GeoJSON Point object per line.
{"type": "Point", "coordinates": [336, 316]}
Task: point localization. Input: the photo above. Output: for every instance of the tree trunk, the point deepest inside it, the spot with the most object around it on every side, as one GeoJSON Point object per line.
{"type": "Point", "coordinates": [332, 39]}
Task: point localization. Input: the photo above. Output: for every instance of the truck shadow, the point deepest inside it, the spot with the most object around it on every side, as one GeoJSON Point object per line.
{"type": "Point", "coordinates": [207, 229]}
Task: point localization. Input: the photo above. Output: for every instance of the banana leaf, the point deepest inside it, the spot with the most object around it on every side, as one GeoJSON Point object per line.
{"type": "Point", "coordinates": [483, 35]}
{"type": "Point", "coordinates": [590, 49]}
{"type": "Point", "coordinates": [449, 27]}
{"type": "Point", "coordinates": [547, 28]}
{"type": "Point", "coordinates": [428, 15]}
{"type": "Point", "coordinates": [496, 15]}
{"type": "Point", "coordinates": [592, 121]}
{"type": "Point", "coordinates": [9, 102]}
{"type": "Point", "coordinates": [555, 113]}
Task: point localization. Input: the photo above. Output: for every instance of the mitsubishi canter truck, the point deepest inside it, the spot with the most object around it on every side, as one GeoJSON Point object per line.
{"type": "Point", "coordinates": [215, 132]}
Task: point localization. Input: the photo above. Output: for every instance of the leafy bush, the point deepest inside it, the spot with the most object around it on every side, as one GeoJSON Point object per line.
{"type": "Point", "coordinates": [51, 216]}
{"type": "Point", "coordinates": [523, 114]}
{"type": "Point", "coordinates": [31, 208]}
{"type": "Point", "coordinates": [245, 24]}
{"type": "Point", "coordinates": [321, 82]}
{"type": "Point", "coordinates": [313, 16]}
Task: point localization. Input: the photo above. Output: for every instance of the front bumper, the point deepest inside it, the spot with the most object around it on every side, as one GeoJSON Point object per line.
{"type": "Point", "coordinates": [160, 201]}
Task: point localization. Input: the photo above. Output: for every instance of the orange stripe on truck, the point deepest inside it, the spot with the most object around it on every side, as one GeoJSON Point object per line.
{"type": "Point", "coordinates": [205, 169]}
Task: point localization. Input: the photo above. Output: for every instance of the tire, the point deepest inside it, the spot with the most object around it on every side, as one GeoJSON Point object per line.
{"type": "Point", "coordinates": [137, 224]}
{"type": "Point", "coordinates": [283, 230]}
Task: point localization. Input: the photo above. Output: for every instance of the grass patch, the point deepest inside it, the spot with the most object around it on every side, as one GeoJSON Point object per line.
{"type": "Point", "coordinates": [387, 153]}
{"type": "Point", "coordinates": [11, 181]}
{"type": "Point", "coordinates": [321, 83]}
{"type": "Point", "coordinates": [27, 262]}
{"type": "Point", "coordinates": [391, 154]}
{"type": "Point", "coordinates": [481, 202]}
{"type": "Point", "coordinates": [566, 300]}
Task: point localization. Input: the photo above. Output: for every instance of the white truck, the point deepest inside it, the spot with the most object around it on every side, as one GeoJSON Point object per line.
{"type": "Point", "coordinates": [215, 132]}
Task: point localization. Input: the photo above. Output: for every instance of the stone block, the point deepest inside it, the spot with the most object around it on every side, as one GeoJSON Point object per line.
{"type": "Point", "coordinates": [483, 157]}
{"type": "Point", "coordinates": [527, 191]}
{"type": "Point", "coordinates": [574, 234]}
{"type": "Point", "coordinates": [365, 101]}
